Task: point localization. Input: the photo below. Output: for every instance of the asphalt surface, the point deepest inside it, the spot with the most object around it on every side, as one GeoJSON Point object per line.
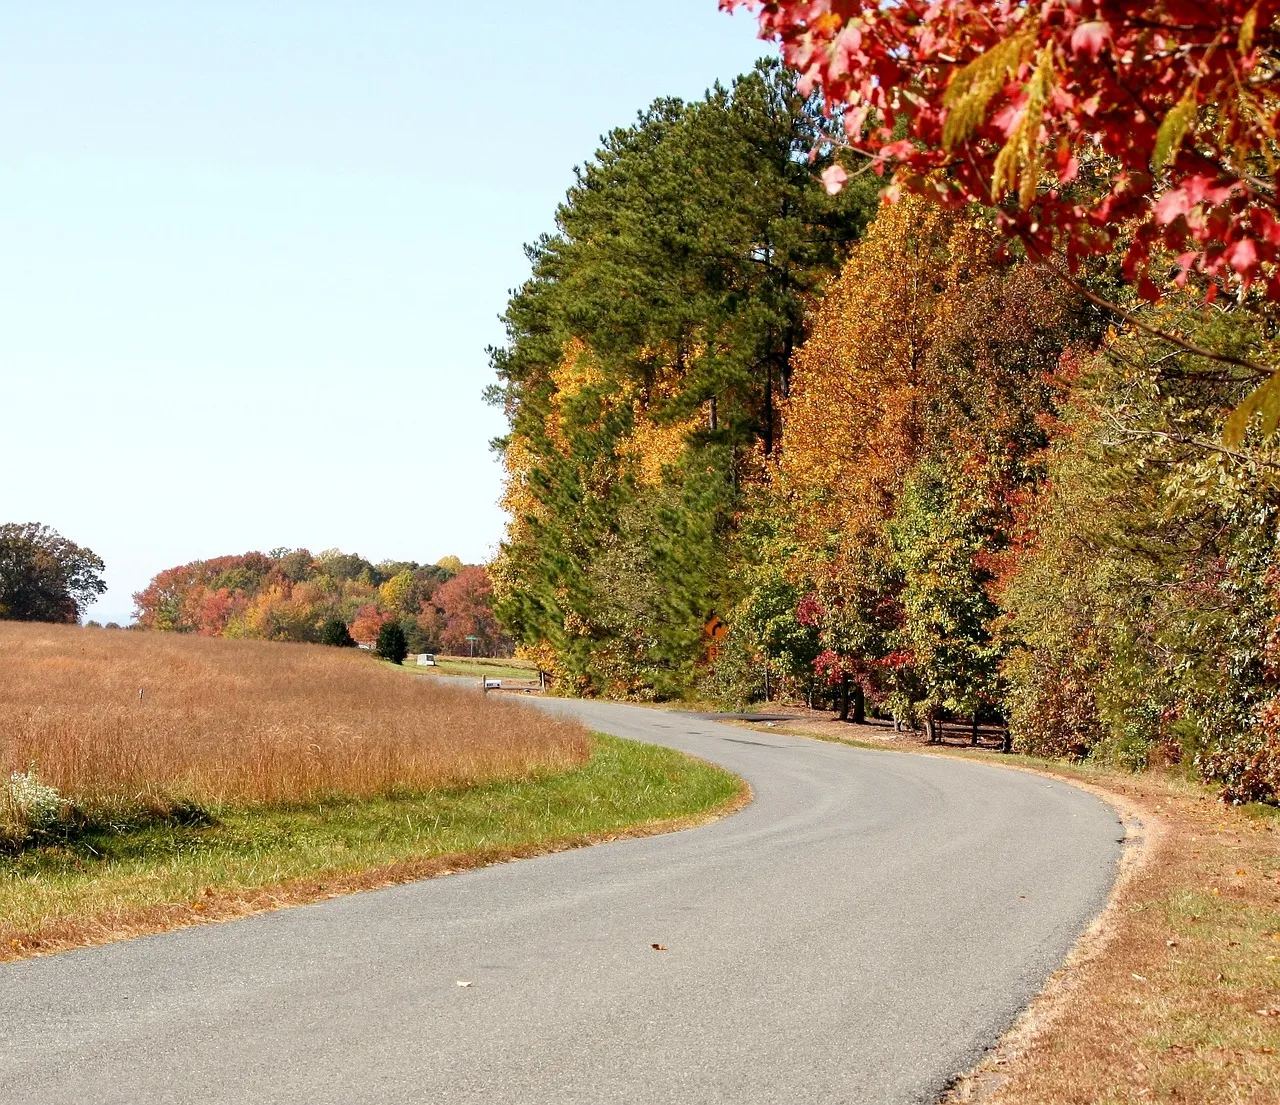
{"type": "Point", "coordinates": [860, 933]}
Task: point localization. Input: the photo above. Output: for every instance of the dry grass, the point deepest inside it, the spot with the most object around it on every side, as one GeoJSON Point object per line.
{"type": "Point", "coordinates": [1175, 996]}
{"type": "Point", "coordinates": [162, 718]}
{"type": "Point", "coordinates": [251, 776]}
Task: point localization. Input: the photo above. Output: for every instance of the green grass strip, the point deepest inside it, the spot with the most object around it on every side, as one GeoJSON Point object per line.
{"type": "Point", "coordinates": [102, 885]}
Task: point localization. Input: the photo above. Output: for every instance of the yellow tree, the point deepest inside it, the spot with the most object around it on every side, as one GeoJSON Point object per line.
{"type": "Point", "coordinates": [637, 444]}
{"type": "Point", "coordinates": [911, 426]}
{"type": "Point", "coordinates": [855, 418]}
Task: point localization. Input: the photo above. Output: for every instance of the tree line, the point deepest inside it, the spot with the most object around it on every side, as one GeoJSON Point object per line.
{"type": "Point", "coordinates": [293, 595]}
{"type": "Point", "coordinates": [891, 449]}
{"type": "Point", "coordinates": [332, 598]}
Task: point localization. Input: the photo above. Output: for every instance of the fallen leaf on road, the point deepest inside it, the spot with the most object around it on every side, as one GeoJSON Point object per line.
{"type": "Point", "coordinates": [658, 947]}
{"type": "Point", "coordinates": [1140, 978]}
{"type": "Point", "coordinates": [463, 982]}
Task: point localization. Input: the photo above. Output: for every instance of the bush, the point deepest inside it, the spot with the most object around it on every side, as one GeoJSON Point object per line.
{"type": "Point", "coordinates": [1247, 767]}
{"type": "Point", "coordinates": [335, 633]}
{"type": "Point", "coordinates": [27, 806]}
{"type": "Point", "coordinates": [391, 643]}
{"type": "Point", "coordinates": [735, 678]}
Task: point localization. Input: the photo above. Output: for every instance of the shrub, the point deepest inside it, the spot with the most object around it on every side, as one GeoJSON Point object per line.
{"type": "Point", "coordinates": [335, 633]}
{"type": "Point", "coordinates": [391, 643]}
{"type": "Point", "coordinates": [27, 806]}
{"type": "Point", "coordinates": [735, 678]}
{"type": "Point", "coordinates": [1248, 768]}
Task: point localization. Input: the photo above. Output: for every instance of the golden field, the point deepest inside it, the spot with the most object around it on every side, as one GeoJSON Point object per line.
{"type": "Point", "coordinates": [151, 717]}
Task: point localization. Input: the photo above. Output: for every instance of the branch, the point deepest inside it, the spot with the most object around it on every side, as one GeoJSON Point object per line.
{"type": "Point", "coordinates": [1186, 439]}
{"type": "Point", "coordinates": [1257, 370]}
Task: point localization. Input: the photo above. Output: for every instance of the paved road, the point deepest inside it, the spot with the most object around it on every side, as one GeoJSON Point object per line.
{"type": "Point", "coordinates": [861, 932]}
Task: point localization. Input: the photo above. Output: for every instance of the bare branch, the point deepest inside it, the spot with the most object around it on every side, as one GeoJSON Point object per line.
{"type": "Point", "coordinates": [1187, 439]}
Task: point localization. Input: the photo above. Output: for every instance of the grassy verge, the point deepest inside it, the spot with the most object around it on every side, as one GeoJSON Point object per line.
{"type": "Point", "coordinates": [102, 886]}
{"type": "Point", "coordinates": [1175, 997]}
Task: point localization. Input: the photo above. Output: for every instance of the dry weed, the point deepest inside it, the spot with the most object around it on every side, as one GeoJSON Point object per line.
{"type": "Point", "coordinates": [149, 717]}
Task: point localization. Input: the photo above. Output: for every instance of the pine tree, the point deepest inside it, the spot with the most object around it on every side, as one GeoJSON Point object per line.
{"type": "Point", "coordinates": [335, 633]}
{"type": "Point", "coordinates": [647, 357]}
{"type": "Point", "coordinates": [391, 643]}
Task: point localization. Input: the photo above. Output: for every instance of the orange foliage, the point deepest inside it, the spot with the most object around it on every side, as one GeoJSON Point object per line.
{"type": "Point", "coordinates": [854, 421]}
{"type": "Point", "coordinates": [369, 619]}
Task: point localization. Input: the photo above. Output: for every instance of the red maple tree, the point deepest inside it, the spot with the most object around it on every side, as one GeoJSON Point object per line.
{"type": "Point", "coordinates": [1001, 104]}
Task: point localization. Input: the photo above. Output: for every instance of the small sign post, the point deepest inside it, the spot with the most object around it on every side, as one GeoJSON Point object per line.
{"type": "Point", "coordinates": [473, 641]}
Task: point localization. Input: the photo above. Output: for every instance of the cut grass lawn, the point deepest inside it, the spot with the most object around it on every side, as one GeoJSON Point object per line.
{"type": "Point", "coordinates": [1176, 997]}
{"type": "Point", "coordinates": [104, 886]}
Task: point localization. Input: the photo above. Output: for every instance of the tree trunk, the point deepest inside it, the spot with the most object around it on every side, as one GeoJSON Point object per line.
{"type": "Point", "coordinates": [859, 705]}
{"type": "Point", "coordinates": [844, 698]}
{"type": "Point", "coordinates": [768, 408]}
{"type": "Point", "coordinates": [785, 381]}
{"type": "Point", "coordinates": [973, 735]}
{"type": "Point", "coordinates": [930, 728]}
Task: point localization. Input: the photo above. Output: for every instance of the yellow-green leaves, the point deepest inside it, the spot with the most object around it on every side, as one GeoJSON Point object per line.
{"type": "Point", "coordinates": [1247, 26]}
{"type": "Point", "coordinates": [972, 87]}
{"type": "Point", "coordinates": [1173, 130]}
{"type": "Point", "coordinates": [1019, 164]}
{"type": "Point", "coordinates": [1264, 400]}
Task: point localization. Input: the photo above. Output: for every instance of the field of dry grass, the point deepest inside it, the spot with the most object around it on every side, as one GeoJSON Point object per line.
{"type": "Point", "coordinates": [250, 775]}
{"type": "Point", "coordinates": [159, 718]}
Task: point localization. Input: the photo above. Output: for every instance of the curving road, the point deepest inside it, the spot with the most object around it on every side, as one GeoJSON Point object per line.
{"type": "Point", "coordinates": [860, 933]}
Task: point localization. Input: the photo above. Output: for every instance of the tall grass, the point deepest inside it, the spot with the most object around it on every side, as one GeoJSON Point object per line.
{"type": "Point", "coordinates": [151, 718]}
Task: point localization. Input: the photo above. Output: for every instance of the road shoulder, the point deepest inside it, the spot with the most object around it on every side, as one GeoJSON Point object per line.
{"type": "Point", "coordinates": [1173, 992]}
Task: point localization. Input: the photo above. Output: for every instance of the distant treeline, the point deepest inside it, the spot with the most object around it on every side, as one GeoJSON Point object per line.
{"type": "Point", "coordinates": [289, 595]}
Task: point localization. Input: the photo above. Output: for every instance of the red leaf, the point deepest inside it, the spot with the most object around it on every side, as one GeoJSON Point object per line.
{"type": "Point", "coordinates": [833, 178]}
{"type": "Point", "coordinates": [1089, 38]}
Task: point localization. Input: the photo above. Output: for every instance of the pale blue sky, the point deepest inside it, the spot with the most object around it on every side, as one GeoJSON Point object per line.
{"type": "Point", "coordinates": [251, 254]}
